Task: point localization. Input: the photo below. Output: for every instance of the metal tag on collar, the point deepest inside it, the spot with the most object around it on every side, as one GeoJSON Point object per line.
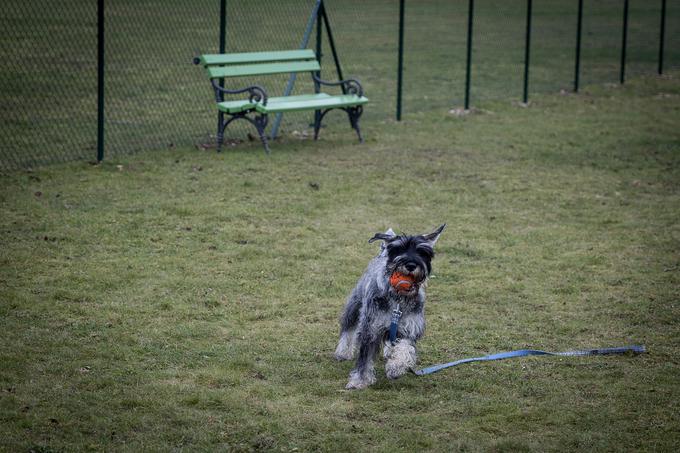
{"type": "Point", "coordinates": [396, 316]}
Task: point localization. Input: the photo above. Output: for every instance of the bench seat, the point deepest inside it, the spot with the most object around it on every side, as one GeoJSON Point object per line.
{"type": "Point", "coordinates": [293, 103]}
{"type": "Point", "coordinates": [310, 102]}
{"type": "Point", "coordinates": [257, 105]}
{"type": "Point", "coordinates": [243, 105]}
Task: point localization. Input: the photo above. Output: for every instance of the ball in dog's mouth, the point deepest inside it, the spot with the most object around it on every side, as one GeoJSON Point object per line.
{"type": "Point", "coordinates": [402, 282]}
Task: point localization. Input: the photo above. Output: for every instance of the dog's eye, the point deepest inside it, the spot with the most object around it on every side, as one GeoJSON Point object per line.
{"type": "Point", "coordinates": [425, 250]}
{"type": "Point", "coordinates": [393, 252]}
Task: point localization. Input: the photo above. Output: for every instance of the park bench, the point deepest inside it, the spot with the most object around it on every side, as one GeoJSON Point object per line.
{"type": "Point", "coordinates": [256, 107]}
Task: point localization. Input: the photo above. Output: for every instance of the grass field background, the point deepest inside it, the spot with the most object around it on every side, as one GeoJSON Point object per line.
{"type": "Point", "coordinates": [183, 300]}
{"type": "Point", "coordinates": [157, 99]}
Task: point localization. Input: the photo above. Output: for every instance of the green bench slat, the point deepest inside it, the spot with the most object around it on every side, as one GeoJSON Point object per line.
{"type": "Point", "coordinates": [257, 57]}
{"type": "Point", "coordinates": [216, 72]}
{"type": "Point", "coordinates": [239, 106]}
{"type": "Point", "coordinates": [297, 98]}
{"type": "Point", "coordinates": [346, 100]}
{"type": "Point", "coordinates": [294, 103]}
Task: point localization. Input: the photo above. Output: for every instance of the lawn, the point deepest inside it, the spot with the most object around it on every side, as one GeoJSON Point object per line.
{"type": "Point", "coordinates": [187, 300]}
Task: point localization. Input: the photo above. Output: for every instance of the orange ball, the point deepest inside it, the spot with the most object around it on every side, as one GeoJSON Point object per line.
{"type": "Point", "coordinates": [401, 282]}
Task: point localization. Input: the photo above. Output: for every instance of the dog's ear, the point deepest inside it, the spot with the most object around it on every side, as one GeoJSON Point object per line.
{"type": "Point", "coordinates": [434, 236]}
{"type": "Point", "coordinates": [386, 236]}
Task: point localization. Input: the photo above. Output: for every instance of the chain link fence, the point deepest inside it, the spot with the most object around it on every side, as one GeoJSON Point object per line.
{"type": "Point", "coordinates": [153, 96]}
{"type": "Point", "coordinates": [156, 99]}
{"type": "Point", "coordinates": [48, 82]}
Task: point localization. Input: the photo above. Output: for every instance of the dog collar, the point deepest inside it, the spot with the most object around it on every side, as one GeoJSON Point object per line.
{"type": "Point", "coordinates": [396, 316]}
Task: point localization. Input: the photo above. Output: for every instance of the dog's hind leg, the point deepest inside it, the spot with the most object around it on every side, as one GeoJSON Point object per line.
{"type": "Point", "coordinates": [346, 345]}
{"type": "Point", "coordinates": [348, 328]}
{"type": "Point", "coordinates": [364, 374]}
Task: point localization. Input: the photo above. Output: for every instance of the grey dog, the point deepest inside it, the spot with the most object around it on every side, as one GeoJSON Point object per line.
{"type": "Point", "coordinates": [375, 301]}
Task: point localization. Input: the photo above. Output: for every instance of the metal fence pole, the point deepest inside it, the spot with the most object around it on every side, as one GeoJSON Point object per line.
{"type": "Point", "coordinates": [319, 36]}
{"type": "Point", "coordinates": [319, 30]}
{"type": "Point", "coordinates": [579, 28]}
{"type": "Point", "coordinates": [100, 80]}
{"type": "Point", "coordinates": [471, 6]}
{"type": "Point", "coordinates": [400, 63]}
{"type": "Point", "coordinates": [221, 40]}
{"type": "Point", "coordinates": [527, 47]}
{"type": "Point", "coordinates": [223, 25]}
{"type": "Point", "coordinates": [662, 33]}
{"type": "Point", "coordinates": [623, 41]}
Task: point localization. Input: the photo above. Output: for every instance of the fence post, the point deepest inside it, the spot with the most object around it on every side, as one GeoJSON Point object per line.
{"type": "Point", "coordinates": [100, 80]}
{"type": "Point", "coordinates": [623, 41]}
{"type": "Point", "coordinates": [223, 27]}
{"type": "Point", "coordinates": [662, 34]}
{"type": "Point", "coordinates": [400, 62]}
{"type": "Point", "coordinates": [527, 46]}
{"type": "Point", "coordinates": [319, 36]}
{"type": "Point", "coordinates": [471, 6]}
{"type": "Point", "coordinates": [222, 49]}
{"type": "Point", "coordinates": [319, 30]}
{"type": "Point", "coordinates": [579, 28]}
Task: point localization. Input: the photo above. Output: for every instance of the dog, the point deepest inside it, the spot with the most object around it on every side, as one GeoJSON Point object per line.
{"type": "Point", "coordinates": [387, 307]}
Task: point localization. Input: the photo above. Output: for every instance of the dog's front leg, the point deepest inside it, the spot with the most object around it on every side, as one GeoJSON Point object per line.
{"type": "Point", "coordinates": [400, 357]}
{"type": "Point", "coordinates": [364, 374]}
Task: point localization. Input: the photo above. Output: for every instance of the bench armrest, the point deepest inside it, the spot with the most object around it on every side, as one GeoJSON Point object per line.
{"type": "Point", "coordinates": [257, 93]}
{"type": "Point", "coordinates": [349, 86]}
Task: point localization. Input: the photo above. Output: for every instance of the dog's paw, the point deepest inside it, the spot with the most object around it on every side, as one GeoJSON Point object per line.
{"type": "Point", "coordinates": [357, 382]}
{"type": "Point", "coordinates": [401, 358]}
{"type": "Point", "coordinates": [343, 355]}
{"type": "Point", "coordinates": [395, 370]}
{"type": "Point", "coordinates": [356, 385]}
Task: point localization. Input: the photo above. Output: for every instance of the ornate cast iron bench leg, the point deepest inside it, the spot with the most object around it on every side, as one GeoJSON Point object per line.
{"type": "Point", "coordinates": [318, 117]}
{"type": "Point", "coordinates": [354, 114]}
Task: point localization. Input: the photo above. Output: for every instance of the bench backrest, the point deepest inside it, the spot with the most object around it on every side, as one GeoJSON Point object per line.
{"type": "Point", "coordinates": [259, 63]}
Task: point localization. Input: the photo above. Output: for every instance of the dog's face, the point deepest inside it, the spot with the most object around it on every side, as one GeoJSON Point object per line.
{"type": "Point", "coordinates": [410, 255]}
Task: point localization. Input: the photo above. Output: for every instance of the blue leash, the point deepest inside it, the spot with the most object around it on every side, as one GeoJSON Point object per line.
{"type": "Point", "coordinates": [527, 352]}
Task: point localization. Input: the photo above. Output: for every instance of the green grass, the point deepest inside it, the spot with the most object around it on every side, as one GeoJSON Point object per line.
{"type": "Point", "coordinates": [185, 300]}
